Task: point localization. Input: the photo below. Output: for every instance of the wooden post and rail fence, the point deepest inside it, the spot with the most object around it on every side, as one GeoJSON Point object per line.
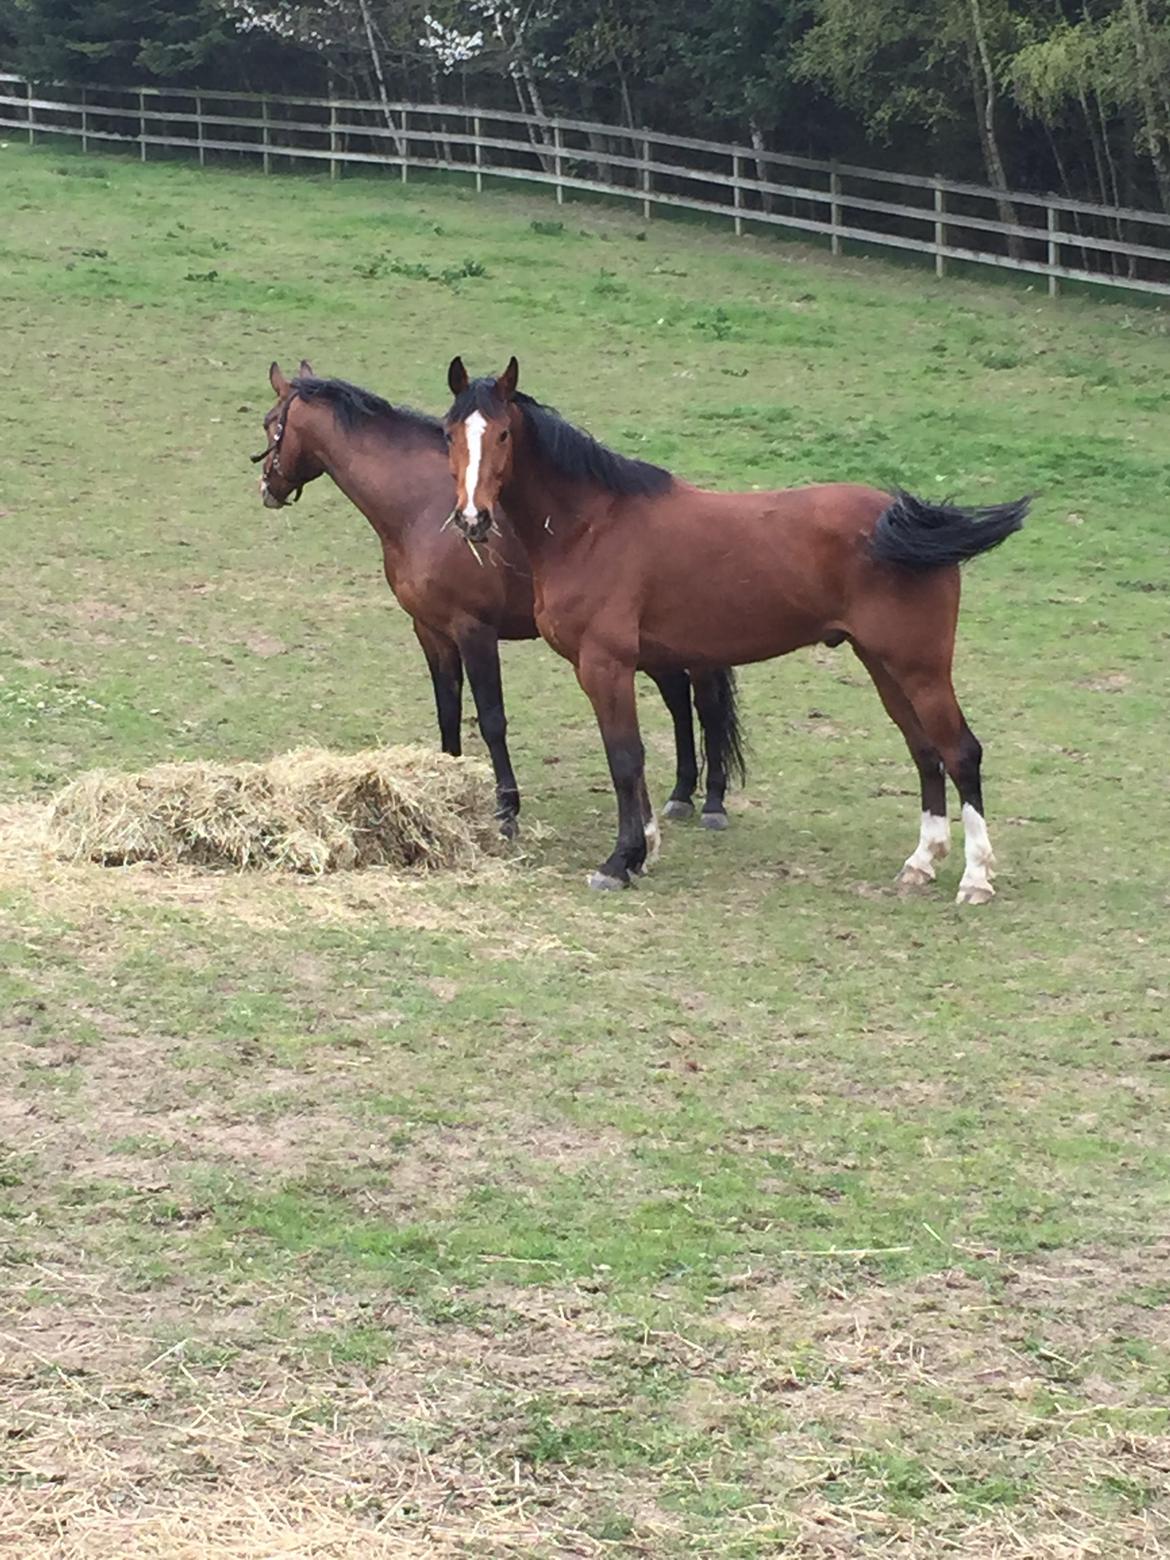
{"type": "Point", "coordinates": [951, 221]}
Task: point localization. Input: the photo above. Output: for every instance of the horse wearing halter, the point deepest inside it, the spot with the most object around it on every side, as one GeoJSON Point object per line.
{"type": "Point", "coordinates": [273, 450]}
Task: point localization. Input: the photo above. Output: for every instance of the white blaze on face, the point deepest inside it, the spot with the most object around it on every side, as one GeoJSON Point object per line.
{"type": "Point", "coordinates": [474, 428]}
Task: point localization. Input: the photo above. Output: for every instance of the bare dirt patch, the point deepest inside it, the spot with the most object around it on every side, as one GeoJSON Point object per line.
{"type": "Point", "coordinates": [997, 1404]}
{"type": "Point", "coordinates": [120, 1448]}
{"type": "Point", "coordinates": [931, 1390]}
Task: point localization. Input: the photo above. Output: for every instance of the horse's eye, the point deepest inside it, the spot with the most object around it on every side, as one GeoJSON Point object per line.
{"type": "Point", "coordinates": [446, 436]}
{"type": "Point", "coordinates": [504, 436]}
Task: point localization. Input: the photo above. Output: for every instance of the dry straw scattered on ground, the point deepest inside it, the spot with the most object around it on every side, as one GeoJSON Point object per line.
{"type": "Point", "coordinates": [308, 811]}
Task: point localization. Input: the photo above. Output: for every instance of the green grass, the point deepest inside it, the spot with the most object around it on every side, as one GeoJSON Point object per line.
{"type": "Point", "coordinates": [752, 1212]}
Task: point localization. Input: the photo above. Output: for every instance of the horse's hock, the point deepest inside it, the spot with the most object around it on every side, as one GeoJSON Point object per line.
{"type": "Point", "coordinates": [310, 811]}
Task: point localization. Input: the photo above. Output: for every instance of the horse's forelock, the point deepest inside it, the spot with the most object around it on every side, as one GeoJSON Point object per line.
{"type": "Point", "coordinates": [480, 396]}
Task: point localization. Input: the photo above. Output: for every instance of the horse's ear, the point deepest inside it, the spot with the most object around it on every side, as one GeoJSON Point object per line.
{"type": "Point", "coordinates": [278, 382]}
{"type": "Point", "coordinates": [506, 383]}
{"type": "Point", "coordinates": [306, 370]}
{"type": "Point", "coordinates": [457, 380]}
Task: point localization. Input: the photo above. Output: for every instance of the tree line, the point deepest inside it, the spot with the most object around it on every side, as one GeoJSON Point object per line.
{"type": "Point", "coordinates": [1068, 95]}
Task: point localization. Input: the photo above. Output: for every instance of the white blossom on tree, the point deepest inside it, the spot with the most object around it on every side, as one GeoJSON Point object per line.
{"type": "Point", "coordinates": [450, 46]}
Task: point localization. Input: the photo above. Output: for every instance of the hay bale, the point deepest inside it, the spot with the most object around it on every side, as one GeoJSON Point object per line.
{"type": "Point", "coordinates": [309, 811]}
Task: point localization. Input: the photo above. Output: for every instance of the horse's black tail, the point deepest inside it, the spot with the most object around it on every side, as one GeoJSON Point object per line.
{"type": "Point", "coordinates": [930, 536]}
{"type": "Point", "coordinates": [723, 744]}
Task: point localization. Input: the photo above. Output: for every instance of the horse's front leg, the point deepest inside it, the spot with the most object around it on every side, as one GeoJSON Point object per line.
{"type": "Point", "coordinates": [446, 670]}
{"type": "Point", "coordinates": [609, 684]}
{"type": "Point", "coordinates": [480, 649]}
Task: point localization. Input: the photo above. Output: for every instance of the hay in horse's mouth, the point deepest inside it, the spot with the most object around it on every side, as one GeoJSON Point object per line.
{"type": "Point", "coordinates": [309, 811]}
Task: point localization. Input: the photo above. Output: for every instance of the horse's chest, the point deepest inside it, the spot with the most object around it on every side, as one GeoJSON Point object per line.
{"type": "Point", "coordinates": [555, 632]}
{"type": "Point", "coordinates": [557, 623]}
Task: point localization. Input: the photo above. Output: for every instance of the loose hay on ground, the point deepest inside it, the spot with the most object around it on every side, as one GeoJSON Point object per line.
{"type": "Point", "coordinates": [308, 811]}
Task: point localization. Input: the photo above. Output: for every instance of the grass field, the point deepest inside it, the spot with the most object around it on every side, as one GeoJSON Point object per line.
{"type": "Point", "coordinates": [758, 1211]}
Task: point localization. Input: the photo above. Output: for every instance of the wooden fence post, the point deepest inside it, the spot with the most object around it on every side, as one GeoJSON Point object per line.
{"type": "Point", "coordinates": [645, 178]}
{"type": "Point", "coordinates": [29, 89]}
{"type": "Point", "coordinates": [199, 128]}
{"type": "Point", "coordinates": [142, 125]}
{"type": "Point", "coordinates": [1053, 249]}
{"type": "Point", "coordinates": [557, 164]}
{"type": "Point", "coordinates": [405, 144]}
{"type": "Point", "coordinates": [478, 159]}
{"type": "Point", "coordinates": [264, 132]}
{"type": "Point", "coordinates": [940, 229]}
{"type": "Point", "coordinates": [737, 199]}
{"type": "Point", "coordinates": [835, 211]}
{"type": "Point", "coordinates": [84, 122]}
{"type": "Point", "coordinates": [332, 136]}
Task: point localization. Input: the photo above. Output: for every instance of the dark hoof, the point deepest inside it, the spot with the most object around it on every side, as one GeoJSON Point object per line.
{"type": "Point", "coordinates": [675, 809]}
{"type": "Point", "coordinates": [510, 826]}
{"type": "Point", "coordinates": [603, 882]}
{"type": "Point", "coordinates": [715, 820]}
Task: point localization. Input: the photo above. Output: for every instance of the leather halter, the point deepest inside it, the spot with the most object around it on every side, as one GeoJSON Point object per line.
{"type": "Point", "coordinates": [273, 451]}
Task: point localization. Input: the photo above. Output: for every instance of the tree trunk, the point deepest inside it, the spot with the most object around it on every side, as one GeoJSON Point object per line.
{"type": "Point", "coordinates": [1161, 76]}
{"type": "Point", "coordinates": [1156, 131]}
{"type": "Point", "coordinates": [1129, 149]}
{"type": "Point", "coordinates": [763, 169]}
{"type": "Point", "coordinates": [600, 144]}
{"type": "Point", "coordinates": [524, 80]}
{"type": "Point", "coordinates": [983, 87]}
{"type": "Point", "coordinates": [627, 106]}
{"type": "Point", "coordinates": [1114, 188]}
{"type": "Point", "coordinates": [1106, 174]}
{"type": "Point", "coordinates": [376, 62]}
{"type": "Point", "coordinates": [1095, 146]}
{"type": "Point", "coordinates": [442, 146]}
{"type": "Point", "coordinates": [1066, 186]}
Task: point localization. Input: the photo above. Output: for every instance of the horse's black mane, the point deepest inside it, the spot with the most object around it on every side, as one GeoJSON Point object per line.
{"type": "Point", "coordinates": [353, 406]}
{"type": "Point", "coordinates": [571, 452]}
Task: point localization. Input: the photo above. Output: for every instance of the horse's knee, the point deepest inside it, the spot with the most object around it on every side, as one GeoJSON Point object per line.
{"type": "Point", "coordinates": [970, 759]}
{"type": "Point", "coordinates": [927, 758]}
{"type": "Point", "coordinates": [626, 761]}
{"type": "Point", "coordinates": [493, 725]}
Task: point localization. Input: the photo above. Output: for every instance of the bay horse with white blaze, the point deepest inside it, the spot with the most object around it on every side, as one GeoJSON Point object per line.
{"type": "Point", "coordinates": [391, 463]}
{"type": "Point", "coordinates": [634, 568]}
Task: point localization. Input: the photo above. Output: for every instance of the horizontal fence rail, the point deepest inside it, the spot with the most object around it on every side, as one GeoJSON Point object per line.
{"type": "Point", "coordinates": [1047, 235]}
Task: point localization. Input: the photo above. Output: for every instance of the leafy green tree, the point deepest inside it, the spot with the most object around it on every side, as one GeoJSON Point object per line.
{"type": "Point", "coordinates": [1110, 62]}
{"type": "Point", "coordinates": [899, 61]}
{"type": "Point", "coordinates": [121, 40]}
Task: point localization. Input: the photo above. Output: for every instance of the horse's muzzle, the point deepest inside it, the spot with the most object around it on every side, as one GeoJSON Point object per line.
{"type": "Point", "coordinates": [270, 499]}
{"type": "Point", "coordinates": [475, 530]}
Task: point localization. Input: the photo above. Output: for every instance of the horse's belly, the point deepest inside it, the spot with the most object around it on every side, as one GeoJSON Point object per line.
{"type": "Point", "coordinates": [720, 602]}
{"type": "Point", "coordinates": [721, 637]}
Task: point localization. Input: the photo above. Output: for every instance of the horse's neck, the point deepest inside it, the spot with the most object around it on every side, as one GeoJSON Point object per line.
{"type": "Point", "coordinates": [385, 486]}
{"type": "Point", "coordinates": [543, 508]}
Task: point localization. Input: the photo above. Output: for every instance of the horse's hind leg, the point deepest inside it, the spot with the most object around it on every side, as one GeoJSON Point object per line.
{"type": "Point", "coordinates": [713, 718]}
{"type": "Point", "coordinates": [933, 698]}
{"type": "Point", "coordinates": [480, 648]}
{"type": "Point", "coordinates": [675, 688]}
{"type": "Point", "coordinates": [934, 835]}
{"type": "Point", "coordinates": [979, 869]}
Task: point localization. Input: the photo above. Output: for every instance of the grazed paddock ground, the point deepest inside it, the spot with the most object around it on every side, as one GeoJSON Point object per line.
{"type": "Point", "coordinates": [758, 1211]}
